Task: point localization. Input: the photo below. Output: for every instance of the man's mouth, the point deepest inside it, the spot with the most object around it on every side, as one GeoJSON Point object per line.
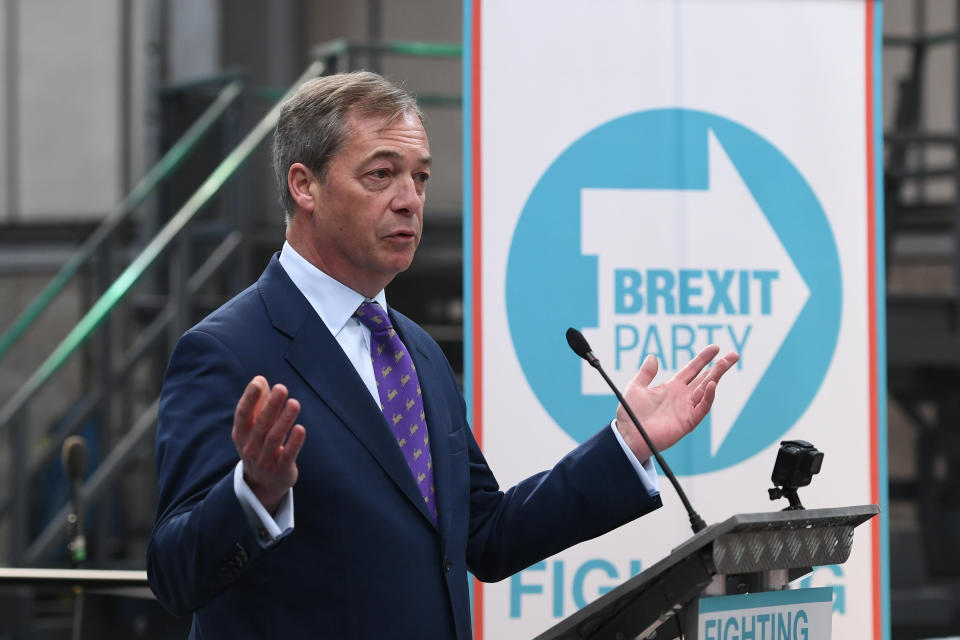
{"type": "Point", "coordinates": [403, 235]}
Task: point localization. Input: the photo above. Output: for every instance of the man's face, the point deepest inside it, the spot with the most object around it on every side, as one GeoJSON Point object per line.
{"type": "Point", "coordinates": [368, 212]}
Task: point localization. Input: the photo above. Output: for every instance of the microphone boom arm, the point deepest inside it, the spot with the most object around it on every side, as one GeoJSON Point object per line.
{"type": "Point", "coordinates": [580, 346]}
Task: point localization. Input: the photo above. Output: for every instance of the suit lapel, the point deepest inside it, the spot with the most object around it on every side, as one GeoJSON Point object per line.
{"type": "Point", "coordinates": [315, 354]}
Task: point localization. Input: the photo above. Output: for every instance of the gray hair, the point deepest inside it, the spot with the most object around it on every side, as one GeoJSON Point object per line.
{"type": "Point", "coordinates": [312, 126]}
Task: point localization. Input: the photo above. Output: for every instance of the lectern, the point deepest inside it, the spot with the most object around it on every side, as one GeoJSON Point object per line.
{"type": "Point", "coordinates": [747, 553]}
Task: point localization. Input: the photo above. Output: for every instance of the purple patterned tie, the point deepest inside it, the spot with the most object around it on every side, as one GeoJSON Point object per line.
{"type": "Point", "coordinates": [399, 390]}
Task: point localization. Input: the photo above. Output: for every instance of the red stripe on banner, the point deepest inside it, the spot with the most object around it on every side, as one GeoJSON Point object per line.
{"type": "Point", "coordinates": [872, 315]}
{"type": "Point", "coordinates": [477, 240]}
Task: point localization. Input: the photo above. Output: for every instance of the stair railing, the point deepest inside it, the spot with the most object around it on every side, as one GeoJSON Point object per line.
{"type": "Point", "coordinates": [165, 167]}
{"type": "Point", "coordinates": [13, 413]}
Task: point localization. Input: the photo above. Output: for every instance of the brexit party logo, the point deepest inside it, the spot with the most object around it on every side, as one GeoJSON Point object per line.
{"type": "Point", "coordinates": [659, 233]}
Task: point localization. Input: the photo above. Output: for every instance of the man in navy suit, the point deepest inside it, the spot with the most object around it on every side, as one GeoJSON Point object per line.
{"type": "Point", "coordinates": [270, 527]}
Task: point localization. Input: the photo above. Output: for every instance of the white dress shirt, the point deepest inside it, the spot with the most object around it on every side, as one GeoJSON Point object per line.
{"type": "Point", "coordinates": [336, 303]}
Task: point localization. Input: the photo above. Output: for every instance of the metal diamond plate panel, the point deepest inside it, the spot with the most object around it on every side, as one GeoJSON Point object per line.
{"type": "Point", "coordinates": [751, 551]}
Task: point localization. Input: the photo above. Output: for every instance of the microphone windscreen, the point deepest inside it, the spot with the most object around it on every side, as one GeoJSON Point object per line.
{"type": "Point", "coordinates": [74, 455]}
{"type": "Point", "coordinates": [578, 343]}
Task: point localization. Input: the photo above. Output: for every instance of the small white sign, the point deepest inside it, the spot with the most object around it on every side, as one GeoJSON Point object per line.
{"type": "Point", "coordinates": [795, 614]}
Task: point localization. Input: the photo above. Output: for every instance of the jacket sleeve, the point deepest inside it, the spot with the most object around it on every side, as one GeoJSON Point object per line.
{"type": "Point", "coordinates": [201, 541]}
{"type": "Point", "coordinates": [589, 492]}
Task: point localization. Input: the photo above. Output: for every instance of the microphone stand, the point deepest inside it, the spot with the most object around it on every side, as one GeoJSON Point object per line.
{"type": "Point", "coordinates": [74, 454]}
{"type": "Point", "coordinates": [581, 347]}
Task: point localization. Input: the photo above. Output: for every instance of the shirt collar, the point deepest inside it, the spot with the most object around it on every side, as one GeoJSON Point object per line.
{"type": "Point", "coordinates": [333, 301]}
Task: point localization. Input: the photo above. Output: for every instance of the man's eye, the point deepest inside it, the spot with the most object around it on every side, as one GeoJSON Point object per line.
{"type": "Point", "coordinates": [423, 177]}
{"type": "Point", "coordinates": [379, 174]}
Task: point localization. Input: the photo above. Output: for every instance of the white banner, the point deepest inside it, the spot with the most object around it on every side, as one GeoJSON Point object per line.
{"type": "Point", "coordinates": [663, 175]}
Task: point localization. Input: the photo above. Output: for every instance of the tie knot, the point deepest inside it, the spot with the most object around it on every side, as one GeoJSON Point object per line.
{"type": "Point", "coordinates": [373, 316]}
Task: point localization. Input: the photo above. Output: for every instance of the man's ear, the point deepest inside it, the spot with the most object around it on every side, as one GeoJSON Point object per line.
{"type": "Point", "coordinates": [299, 180]}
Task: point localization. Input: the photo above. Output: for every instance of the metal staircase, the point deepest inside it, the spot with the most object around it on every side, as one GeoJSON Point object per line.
{"type": "Point", "coordinates": [196, 251]}
{"type": "Point", "coordinates": [922, 203]}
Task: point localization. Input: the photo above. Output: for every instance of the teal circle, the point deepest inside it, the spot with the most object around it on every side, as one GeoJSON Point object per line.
{"type": "Point", "coordinates": [550, 285]}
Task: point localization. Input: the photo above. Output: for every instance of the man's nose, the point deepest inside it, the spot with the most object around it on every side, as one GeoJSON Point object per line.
{"type": "Point", "coordinates": [407, 200]}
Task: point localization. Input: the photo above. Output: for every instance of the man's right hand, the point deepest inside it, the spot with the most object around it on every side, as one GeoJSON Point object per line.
{"type": "Point", "coordinates": [260, 426]}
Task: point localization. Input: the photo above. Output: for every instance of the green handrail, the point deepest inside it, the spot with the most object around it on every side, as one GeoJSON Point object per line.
{"type": "Point", "coordinates": [425, 49]}
{"type": "Point", "coordinates": [340, 46]}
{"type": "Point", "coordinates": [125, 281]}
{"type": "Point", "coordinates": [157, 174]}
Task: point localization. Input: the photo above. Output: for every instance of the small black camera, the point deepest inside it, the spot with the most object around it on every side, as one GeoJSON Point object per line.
{"type": "Point", "coordinates": [797, 462]}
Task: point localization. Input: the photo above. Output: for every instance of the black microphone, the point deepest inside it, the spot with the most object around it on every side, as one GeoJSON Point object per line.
{"type": "Point", "coordinates": [74, 458]}
{"type": "Point", "coordinates": [581, 347]}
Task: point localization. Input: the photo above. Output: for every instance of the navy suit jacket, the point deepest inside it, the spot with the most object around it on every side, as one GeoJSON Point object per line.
{"type": "Point", "coordinates": [364, 560]}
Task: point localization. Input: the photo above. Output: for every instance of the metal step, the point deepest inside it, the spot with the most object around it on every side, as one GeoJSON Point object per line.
{"type": "Point", "coordinates": [923, 216]}
{"type": "Point", "coordinates": [923, 330]}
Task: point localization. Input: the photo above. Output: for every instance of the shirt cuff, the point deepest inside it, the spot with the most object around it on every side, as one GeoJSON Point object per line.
{"type": "Point", "coordinates": [645, 470]}
{"type": "Point", "coordinates": [268, 527]}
